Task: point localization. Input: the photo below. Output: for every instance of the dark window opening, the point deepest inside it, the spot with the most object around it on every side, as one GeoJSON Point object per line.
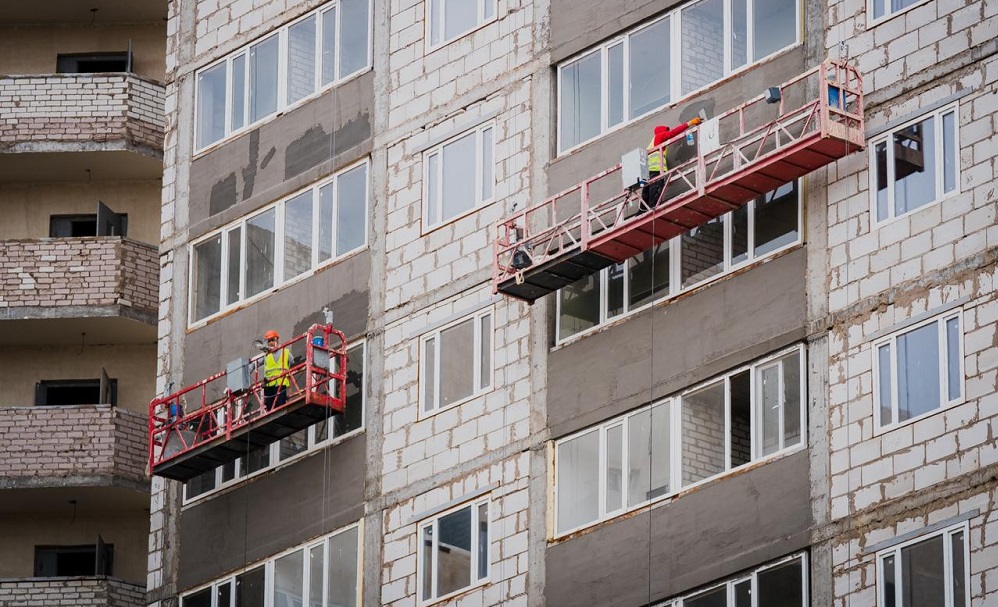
{"type": "Point", "coordinates": [54, 393]}
{"type": "Point", "coordinates": [93, 63]}
{"type": "Point", "coordinates": [86, 560]}
{"type": "Point", "coordinates": [94, 224]}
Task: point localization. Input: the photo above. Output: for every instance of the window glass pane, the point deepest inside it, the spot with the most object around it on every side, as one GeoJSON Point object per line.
{"type": "Point", "coordinates": [649, 275]}
{"type": "Point", "coordinates": [648, 458]}
{"type": "Point", "coordinates": [950, 158]}
{"type": "Point", "coordinates": [201, 598]}
{"type": "Point", "coordinates": [615, 290]}
{"type": "Point", "coordinates": [741, 418]}
{"type": "Point", "coordinates": [488, 176]}
{"type": "Point", "coordinates": [354, 36]}
{"type": "Point", "coordinates": [211, 105]}
{"type": "Point", "coordinates": [884, 378]}
{"type": "Point", "coordinates": [301, 59]}
{"type": "Point", "coordinates": [791, 400]}
{"type": "Point", "coordinates": [316, 566]}
{"type": "Point", "coordinates": [454, 552]}
{"type": "Point", "coordinates": [923, 583]}
{"type": "Point", "coordinates": [435, 27]}
{"type": "Point", "coordinates": [263, 66]}
{"type": "Point", "coordinates": [649, 68]}
{"type": "Point", "coordinates": [486, 353]}
{"type": "Point", "coordinates": [897, 5]}
{"type": "Point", "coordinates": [343, 569]}
{"type": "Point", "coordinates": [614, 468]}
{"type": "Point", "coordinates": [459, 17]}
{"type": "Point", "coordinates": [702, 252]}
{"type": "Point", "coordinates": [201, 483]}
{"type": "Point", "coordinates": [257, 459]}
{"type": "Point", "coordinates": [235, 264]}
{"type": "Point", "coordinates": [953, 379]}
{"type": "Point", "coordinates": [351, 210]}
{"type": "Point", "coordinates": [889, 592]}
{"type": "Point", "coordinates": [288, 582]}
{"type": "Point", "coordinates": [959, 570]}
{"type": "Point", "coordinates": [459, 158]}
{"type": "Point", "coordinates": [229, 471]}
{"type": "Point", "coordinates": [427, 553]}
{"type": "Point", "coordinates": [298, 235]}
{"type": "Point", "coordinates": [743, 593]}
{"type": "Point", "coordinates": [703, 433]}
{"type": "Point", "coordinates": [293, 445]}
{"type": "Point", "coordinates": [238, 91]}
{"type": "Point", "coordinates": [260, 253]}
{"type": "Point", "coordinates": [579, 306]}
{"type": "Point", "coordinates": [769, 410]}
{"type": "Point", "coordinates": [457, 362]}
{"type": "Point", "coordinates": [207, 277]}
{"type": "Point", "coordinates": [615, 84]}
{"type": "Point", "coordinates": [579, 114]}
{"type": "Point", "coordinates": [782, 586]}
{"type": "Point", "coordinates": [578, 481]}
{"type": "Point", "coordinates": [483, 539]}
{"type": "Point", "coordinates": [914, 166]}
{"type": "Point", "coordinates": [429, 379]}
{"type": "Point", "coordinates": [880, 181]}
{"type": "Point", "coordinates": [739, 234]}
{"type": "Point", "coordinates": [328, 46]}
{"type": "Point", "coordinates": [775, 23]}
{"type": "Point", "coordinates": [776, 218]}
{"type": "Point", "coordinates": [325, 244]}
{"type": "Point", "coordinates": [250, 588]}
{"type": "Point", "coordinates": [739, 33]}
{"type": "Point", "coordinates": [489, 8]}
{"type": "Point", "coordinates": [223, 597]}
{"type": "Point", "coordinates": [432, 188]}
{"type": "Point", "coordinates": [878, 8]}
{"type": "Point", "coordinates": [353, 417]}
{"type": "Point", "coordinates": [918, 371]}
{"type": "Point", "coordinates": [712, 598]}
{"type": "Point", "coordinates": [702, 44]}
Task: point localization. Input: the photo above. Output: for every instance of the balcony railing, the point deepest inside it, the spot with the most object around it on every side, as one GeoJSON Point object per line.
{"type": "Point", "coordinates": [78, 278]}
{"type": "Point", "coordinates": [76, 591]}
{"type": "Point", "coordinates": [81, 112]}
{"type": "Point", "coordinates": [82, 445]}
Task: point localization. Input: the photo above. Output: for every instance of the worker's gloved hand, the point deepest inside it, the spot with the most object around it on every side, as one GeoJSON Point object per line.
{"type": "Point", "coordinates": [695, 121]}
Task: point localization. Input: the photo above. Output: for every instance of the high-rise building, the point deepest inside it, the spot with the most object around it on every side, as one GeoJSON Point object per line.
{"type": "Point", "coordinates": [763, 377]}
{"type": "Point", "coordinates": [81, 142]}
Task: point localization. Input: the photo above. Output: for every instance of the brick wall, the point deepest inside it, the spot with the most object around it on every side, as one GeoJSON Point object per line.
{"type": "Point", "coordinates": [85, 440]}
{"type": "Point", "coordinates": [79, 592]}
{"type": "Point", "coordinates": [85, 108]}
{"type": "Point", "coordinates": [95, 271]}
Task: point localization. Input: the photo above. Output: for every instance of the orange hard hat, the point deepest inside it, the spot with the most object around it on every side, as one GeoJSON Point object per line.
{"type": "Point", "coordinates": [269, 335]}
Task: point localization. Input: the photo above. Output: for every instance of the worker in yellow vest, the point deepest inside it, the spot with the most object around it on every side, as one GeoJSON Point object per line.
{"type": "Point", "coordinates": [656, 160]}
{"type": "Point", "coordinates": [276, 363]}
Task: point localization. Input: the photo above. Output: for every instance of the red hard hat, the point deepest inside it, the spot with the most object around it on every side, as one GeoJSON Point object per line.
{"type": "Point", "coordinates": [269, 335]}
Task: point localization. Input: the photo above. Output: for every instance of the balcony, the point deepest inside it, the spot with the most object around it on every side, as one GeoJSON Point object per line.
{"type": "Point", "coordinates": [78, 591]}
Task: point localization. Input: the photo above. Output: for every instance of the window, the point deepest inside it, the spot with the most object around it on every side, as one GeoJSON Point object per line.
{"type": "Point", "coordinates": [280, 243]}
{"type": "Point", "coordinates": [449, 19]}
{"type": "Point", "coordinates": [322, 573]}
{"type": "Point", "coordinates": [456, 362]}
{"type": "Point", "coordinates": [886, 8]}
{"type": "Point", "coordinates": [918, 371]}
{"type": "Point", "coordinates": [104, 222]}
{"type": "Point", "coordinates": [85, 560]}
{"type": "Point", "coordinates": [929, 570]}
{"type": "Point", "coordinates": [915, 165]}
{"type": "Point", "coordinates": [746, 415]}
{"type": "Point", "coordinates": [315, 52]}
{"type": "Point", "coordinates": [454, 551]}
{"type": "Point", "coordinates": [767, 225]}
{"type": "Point", "coordinates": [93, 63]}
{"type": "Point", "coordinates": [666, 59]}
{"type": "Point", "coordinates": [781, 584]}
{"type": "Point", "coordinates": [317, 436]}
{"type": "Point", "coordinates": [66, 392]}
{"type": "Point", "coordinates": [460, 175]}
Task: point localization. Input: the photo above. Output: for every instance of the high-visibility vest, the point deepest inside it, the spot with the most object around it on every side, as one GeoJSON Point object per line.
{"type": "Point", "coordinates": [656, 158]}
{"type": "Point", "coordinates": [274, 366]}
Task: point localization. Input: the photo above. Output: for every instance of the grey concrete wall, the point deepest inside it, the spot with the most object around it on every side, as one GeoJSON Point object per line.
{"type": "Point", "coordinates": [725, 527]}
{"type": "Point", "coordinates": [672, 347]}
{"type": "Point", "coordinates": [283, 155]}
{"type": "Point", "coordinates": [276, 511]}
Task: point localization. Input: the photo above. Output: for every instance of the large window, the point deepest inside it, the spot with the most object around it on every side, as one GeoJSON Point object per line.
{"type": "Point", "coordinates": [317, 436]}
{"type": "Point", "coordinates": [779, 584]}
{"type": "Point", "coordinates": [276, 245]}
{"type": "Point", "coordinates": [454, 551]}
{"type": "Point", "coordinates": [322, 573]}
{"type": "Point", "coordinates": [459, 176]}
{"type": "Point", "coordinates": [915, 164]}
{"type": "Point", "coordinates": [744, 416]}
{"type": "Point", "coordinates": [659, 62]}
{"type": "Point", "coordinates": [456, 362]}
{"type": "Point", "coordinates": [918, 370]}
{"type": "Point", "coordinates": [766, 225]}
{"type": "Point", "coordinates": [449, 19]}
{"type": "Point", "coordinates": [308, 55]}
{"type": "Point", "coordinates": [930, 571]}
{"type": "Point", "coordinates": [886, 8]}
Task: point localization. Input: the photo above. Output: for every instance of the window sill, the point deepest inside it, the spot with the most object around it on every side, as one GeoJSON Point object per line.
{"type": "Point", "coordinates": [423, 415]}
{"type": "Point", "coordinates": [877, 225]}
{"type": "Point", "coordinates": [425, 230]}
{"type": "Point", "coordinates": [429, 49]}
{"type": "Point", "coordinates": [882, 430]}
{"type": "Point", "coordinates": [480, 584]}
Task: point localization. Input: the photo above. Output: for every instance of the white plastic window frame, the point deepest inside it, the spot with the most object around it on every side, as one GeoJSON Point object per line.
{"type": "Point", "coordinates": [674, 405]}
{"type": "Point", "coordinates": [479, 375]}
{"type": "Point", "coordinates": [871, 10]}
{"type": "Point", "coordinates": [947, 564]}
{"type": "Point", "coordinates": [273, 449]}
{"type": "Point", "coordinates": [433, 522]}
{"type": "Point", "coordinates": [279, 235]}
{"type": "Point", "coordinates": [282, 74]}
{"type": "Point", "coordinates": [939, 159]}
{"type": "Point", "coordinates": [480, 201]}
{"type": "Point", "coordinates": [269, 562]}
{"type": "Point", "coordinates": [675, 272]}
{"type": "Point", "coordinates": [676, 95]}
{"type": "Point", "coordinates": [945, 402]}
{"type": "Point", "coordinates": [485, 16]}
{"type": "Point", "coordinates": [753, 579]}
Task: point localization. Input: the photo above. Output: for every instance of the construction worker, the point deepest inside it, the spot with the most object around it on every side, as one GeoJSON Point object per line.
{"type": "Point", "coordinates": [276, 363]}
{"type": "Point", "coordinates": [656, 160]}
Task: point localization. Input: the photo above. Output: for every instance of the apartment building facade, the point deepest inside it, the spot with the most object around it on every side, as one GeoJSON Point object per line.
{"type": "Point", "coordinates": [80, 163]}
{"type": "Point", "coordinates": [784, 404]}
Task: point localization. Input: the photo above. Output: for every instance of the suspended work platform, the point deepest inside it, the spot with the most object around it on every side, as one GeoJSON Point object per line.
{"type": "Point", "coordinates": [723, 163]}
{"type": "Point", "coordinates": [223, 417]}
